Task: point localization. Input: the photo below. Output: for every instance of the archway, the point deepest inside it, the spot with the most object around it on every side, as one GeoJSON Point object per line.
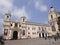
{"type": "Point", "coordinates": [15, 35]}
{"type": "Point", "coordinates": [39, 35]}
{"type": "Point", "coordinates": [43, 35]}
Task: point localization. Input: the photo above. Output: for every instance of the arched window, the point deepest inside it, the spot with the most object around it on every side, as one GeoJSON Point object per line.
{"type": "Point", "coordinates": [23, 20]}
{"type": "Point", "coordinates": [16, 24]}
{"type": "Point", "coordinates": [7, 17]}
{"type": "Point", "coordinates": [51, 17]}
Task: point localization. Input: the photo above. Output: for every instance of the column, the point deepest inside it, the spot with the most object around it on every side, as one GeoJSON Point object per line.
{"type": "Point", "coordinates": [41, 34]}
{"type": "Point", "coordinates": [47, 34]}
{"type": "Point", "coordinates": [10, 34]}
{"type": "Point", "coordinates": [18, 34]}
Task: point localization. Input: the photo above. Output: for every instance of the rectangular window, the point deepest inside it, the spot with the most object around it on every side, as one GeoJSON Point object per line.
{"type": "Point", "coordinates": [19, 25]}
{"type": "Point", "coordinates": [23, 32]}
{"type": "Point", "coordinates": [34, 33]}
{"type": "Point", "coordinates": [16, 24]}
{"type": "Point", "coordinates": [28, 32]}
{"type": "Point", "coordinates": [33, 28]}
{"type": "Point", "coordinates": [39, 28]}
{"type": "Point", "coordinates": [5, 31]}
{"type": "Point", "coordinates": [42, 29]}
{"type": "Point", "coordinates": [37, 32]}
{"type": "Point", "coordinates": [23, 26]}
{"type": "Point", "coordinates": [28, 28]}
{"type": "Point", "coordinates": [45, 28]}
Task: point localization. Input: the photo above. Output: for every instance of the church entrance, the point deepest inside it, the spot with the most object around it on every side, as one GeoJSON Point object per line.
{"type": "Point", "coordinates": [15, 35]}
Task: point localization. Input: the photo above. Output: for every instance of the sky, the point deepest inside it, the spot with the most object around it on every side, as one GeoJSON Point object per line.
{"type": "Point", "coordinates": [34, 10]}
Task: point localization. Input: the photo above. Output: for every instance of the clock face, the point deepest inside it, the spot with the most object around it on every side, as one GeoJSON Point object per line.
{"type": "Point", "coordinates": [5, 31]}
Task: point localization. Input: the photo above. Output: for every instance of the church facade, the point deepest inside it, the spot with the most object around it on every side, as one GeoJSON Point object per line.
{"type": "Point", "coordinates": [22, 29]}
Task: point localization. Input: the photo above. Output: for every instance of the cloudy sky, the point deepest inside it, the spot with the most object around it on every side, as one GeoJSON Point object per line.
{"type": "Point", "coordinates": [34, 10]}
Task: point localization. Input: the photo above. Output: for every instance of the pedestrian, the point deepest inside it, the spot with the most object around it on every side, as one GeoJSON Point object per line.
{"type": "Point", "coordinates": [1, 40]}
{"type": "Point", "coordinates": [45, 38]}
{"type": "Point", "coordinates": [55, 38]}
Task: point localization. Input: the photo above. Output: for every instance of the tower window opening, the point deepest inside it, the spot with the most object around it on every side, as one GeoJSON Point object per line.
{"type": "Point", "coordinates": [11, 24]}
{"type": "Point", "coordinates": [23, 20]}
{"type": "Point", "coordinates": [7, 16]}
{"type": "Point", "coordinates": [51, 17]}
{"type": "Point", "coordinates": [53, 28]}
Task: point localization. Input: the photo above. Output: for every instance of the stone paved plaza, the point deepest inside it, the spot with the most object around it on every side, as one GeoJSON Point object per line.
{"type": "Point", "coordinates": [40, 41]}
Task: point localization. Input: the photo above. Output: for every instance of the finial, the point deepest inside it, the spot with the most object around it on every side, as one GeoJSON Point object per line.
{"type": "Point", "coordinates": [8, 13]}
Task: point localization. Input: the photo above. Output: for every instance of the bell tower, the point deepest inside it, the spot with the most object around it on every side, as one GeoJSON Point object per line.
{"type": "Point", "coordinates": [52, 19]}
{"type": "Point", "coordinates": [6, 25]}
{"type": "Point", "coordinates": [7, 16]}
{"type": "Point", "coordinates": [23, 18]}
{"type": "Point", "coordinates": [52, 14]}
